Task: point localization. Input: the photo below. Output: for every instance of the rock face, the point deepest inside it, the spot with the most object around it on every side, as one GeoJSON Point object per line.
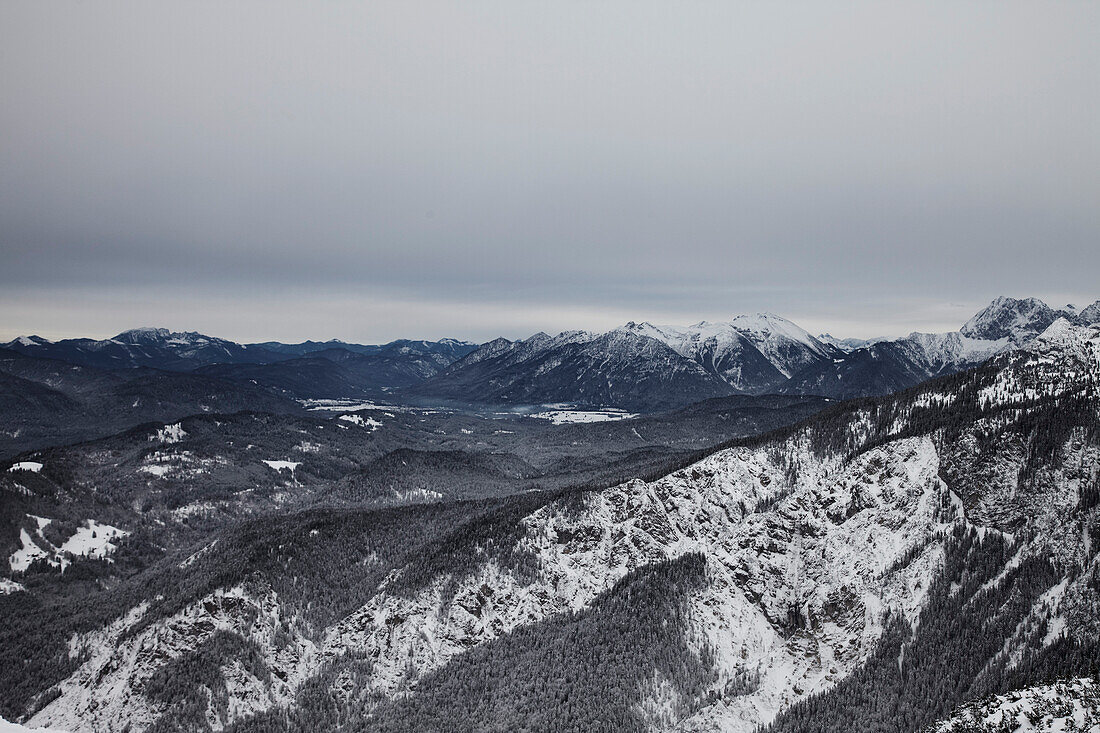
{"type": "Point", "coordinates": [814, 542]}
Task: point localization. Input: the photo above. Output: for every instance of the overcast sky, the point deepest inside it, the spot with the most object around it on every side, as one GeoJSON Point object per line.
{"type": "Point", "coordinates": [374, 170]}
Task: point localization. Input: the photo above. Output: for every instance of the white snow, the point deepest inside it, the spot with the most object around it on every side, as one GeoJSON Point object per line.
{"type": "Point", "coordinates": [32, 466]}
{"type": "Point", "coordinates": [159, 470]}
{"type": "Point", "coordinates": [6, 587]}
{"type": "Point", "coordinates": [1070, 705]}
{"type": "Point", "coordinates": [363, 422]}
{"type": "Point", "coordinates": [169, 434]}
{"type": "Point", "coordinates": [280, 465]}
{"type": "Point", "coordinates": [785, 345]}
{"type": "Point", "coordinates": [6, 727]}
{"type": "Point", "coordinates": [29, 551]}
{"type": "Point", "coordinates": [91, 539]}
{"type": "Point", "coordinates": [560, 417]}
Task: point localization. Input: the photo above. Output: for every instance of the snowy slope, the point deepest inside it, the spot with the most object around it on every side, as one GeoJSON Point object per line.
{"type": "Point", "coordinates": [1070, 705]}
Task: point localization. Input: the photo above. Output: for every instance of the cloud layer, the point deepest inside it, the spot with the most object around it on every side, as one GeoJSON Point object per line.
{"type": "Point", "coordinates": [268, 170]}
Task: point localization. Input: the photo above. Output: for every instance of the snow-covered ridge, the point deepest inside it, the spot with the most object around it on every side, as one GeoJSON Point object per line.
{"type": "Point", "coordinates": [1070, 705]}
{"type": "Point", "coordinates": [103, 693]}
{"type": "Point", "coordinates": [738, 508]}
{"type": "Point", "coordinates": [786, 346]}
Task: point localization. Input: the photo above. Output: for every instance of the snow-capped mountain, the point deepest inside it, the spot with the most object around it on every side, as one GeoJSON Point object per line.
{"type": "Point", "coordinates": [749, 354]}
{"type": "Point", "coordinates": [1018, 320]}
{"type": "Point", "coordinates": [847, 344]}
{"type": "Point", "coordinates": [890, 365]}
{"type": "Point", "coordinates": [752, 353]}
{"type": "Point", "coordinates": [889, 557]}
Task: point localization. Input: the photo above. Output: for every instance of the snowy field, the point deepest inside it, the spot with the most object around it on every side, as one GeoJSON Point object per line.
{"type": "Point", "coordinates": [562, 416]}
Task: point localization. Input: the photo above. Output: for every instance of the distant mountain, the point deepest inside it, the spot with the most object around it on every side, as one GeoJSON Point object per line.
{"type": "Point", "coordinates": [1018, 320]}
{"type": "Point", "coordinates": [750, 354]}
{"type": "Point", "coordinates": [847, 344]}
{"type": "Point", "coordinates": [639, 366]}
{"type": "Point", "coordinates": [887, 366]}
{"type": "Point", "coordinates": [442, 352]}
{"type": "Point", "coordinates": [158, 348]}
{"type": "Point", "coordinates": [621, 367]}
{"type": "Point", "coordinates": [307, 370]}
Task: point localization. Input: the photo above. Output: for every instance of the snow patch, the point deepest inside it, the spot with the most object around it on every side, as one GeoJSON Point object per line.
{"type": "Point", "coordinates": [566, 416]}
{"type": "Point", "coordinates": [280, 465]}
{"type": "Point", "coordinates": [363, 422]}
{"type": "Point", "coordinates": [169, 434]}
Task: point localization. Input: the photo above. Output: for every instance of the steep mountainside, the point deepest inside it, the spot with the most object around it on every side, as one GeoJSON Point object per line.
{"type": "Point", "coordinates": [868, 569]}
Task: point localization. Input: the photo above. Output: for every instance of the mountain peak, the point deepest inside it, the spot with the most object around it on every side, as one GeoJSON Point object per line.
{"type": "Point", "coordinates": [147, 334]}
{"type": "Point", "coordinates": [1090, 314]}
{"type": "Point", "coordinates": [1016, 319]}
{"type": "Point", "coordinates": [1063, 338]}
{"type": "Point", "coordinates": [144, 332]}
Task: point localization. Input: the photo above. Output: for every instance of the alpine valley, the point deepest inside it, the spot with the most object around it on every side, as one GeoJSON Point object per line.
{"type": "Point", "coordinates": [735, 526]}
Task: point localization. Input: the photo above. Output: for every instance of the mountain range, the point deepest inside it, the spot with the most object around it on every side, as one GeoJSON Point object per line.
{"type": "Point", "coordinates": [643, 367]}
{"type": "Point", "coordinates": [639, 366]}
{"type": "Point", "coordinates": [897, 563]}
